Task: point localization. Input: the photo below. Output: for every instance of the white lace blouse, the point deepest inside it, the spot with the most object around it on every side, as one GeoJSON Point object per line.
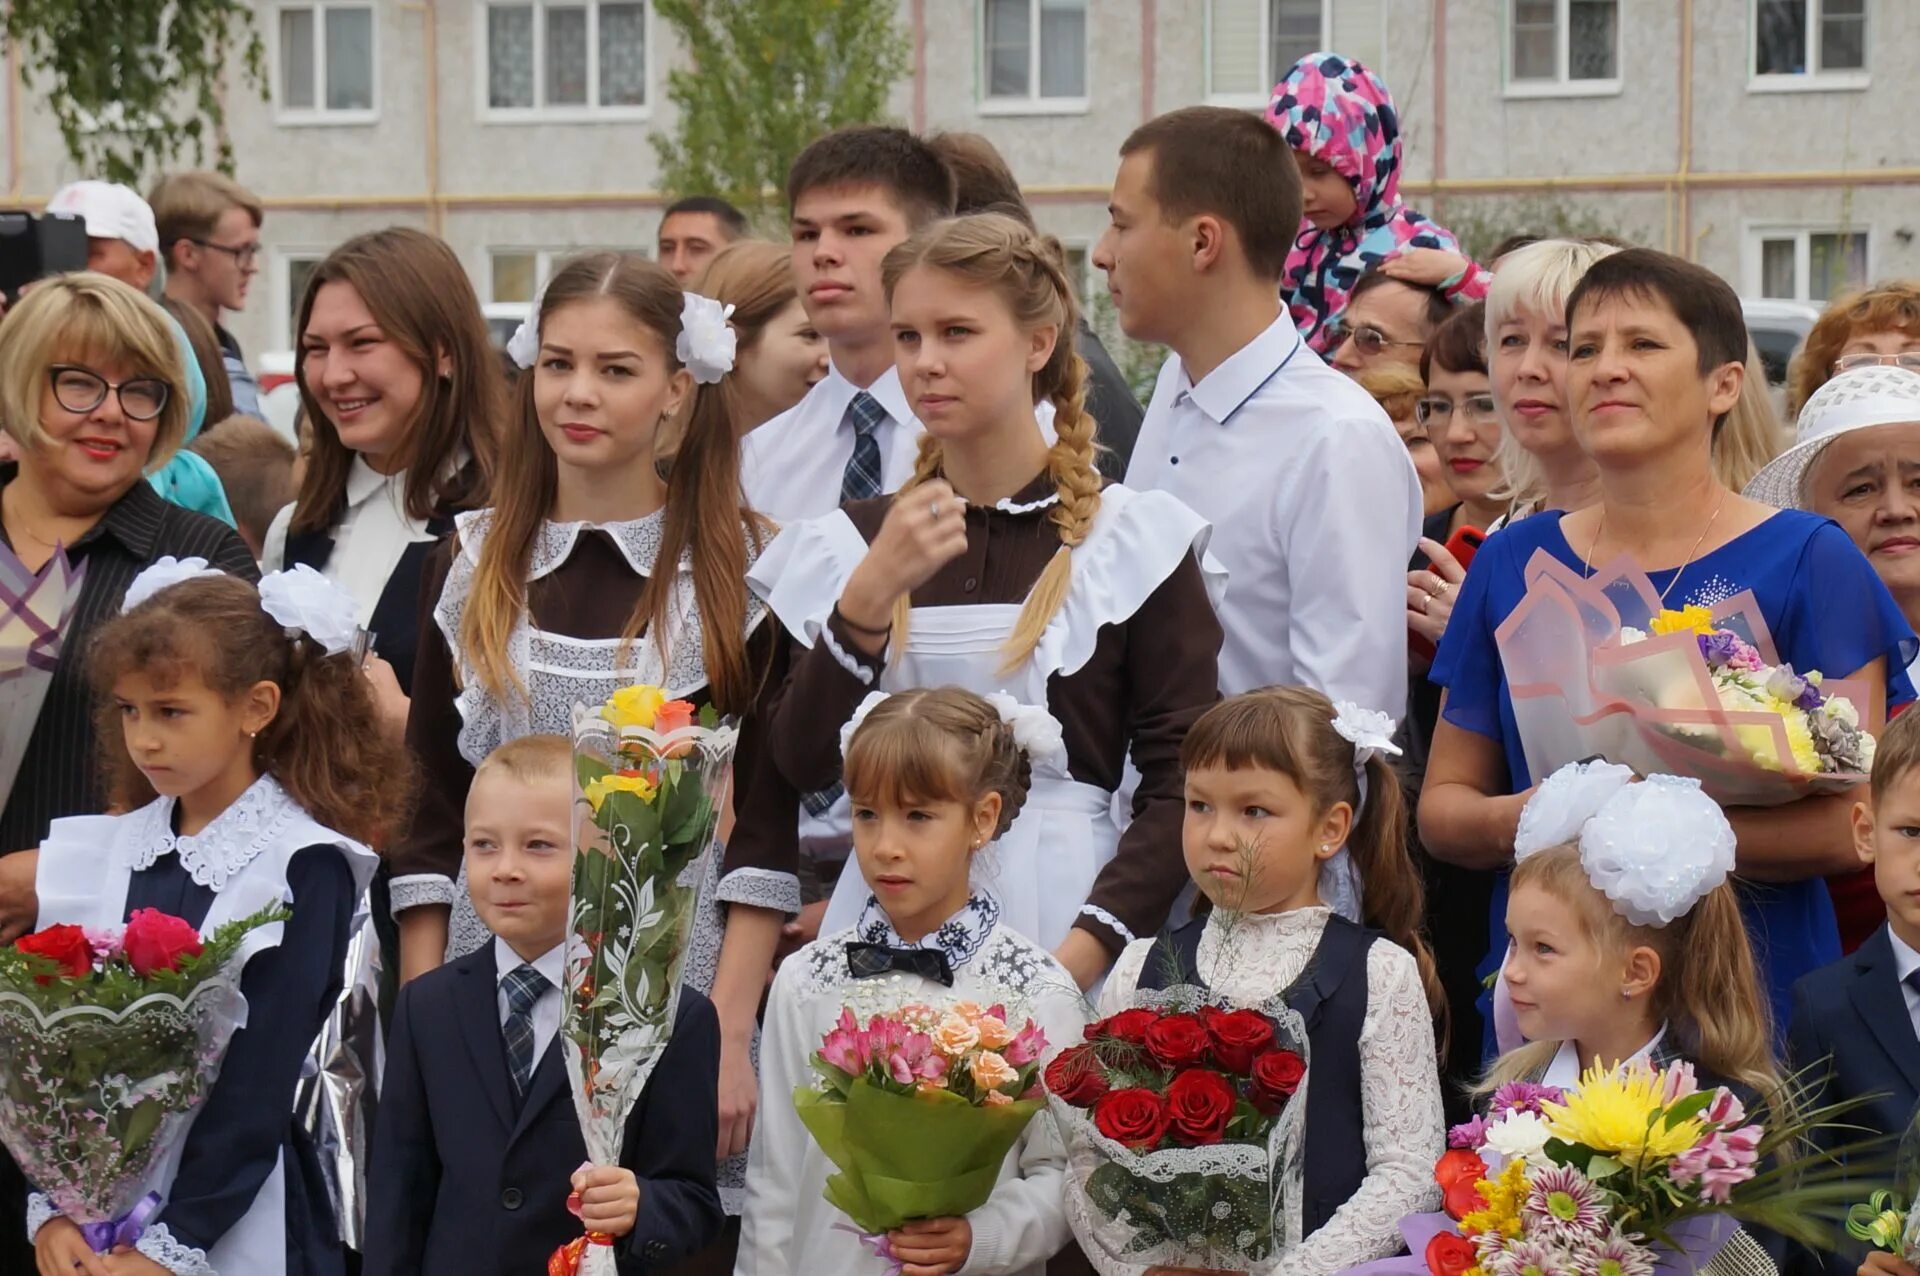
{"type": "Point", "coordinates": [1399, 1079]}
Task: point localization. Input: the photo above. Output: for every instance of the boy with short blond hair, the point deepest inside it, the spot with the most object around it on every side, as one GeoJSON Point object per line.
{"type": "Point", "coordinates": [477, 1151]}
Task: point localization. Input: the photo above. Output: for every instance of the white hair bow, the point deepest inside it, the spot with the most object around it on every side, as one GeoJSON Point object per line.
{"type": "Point", "coordinates": [706, 342]}
{"type": "Point", "coordinates": [1655, 849]}
{"type": "Point", "coordinates": [161, 574]}
{"type": "Point", "coordinates": [301, 598]}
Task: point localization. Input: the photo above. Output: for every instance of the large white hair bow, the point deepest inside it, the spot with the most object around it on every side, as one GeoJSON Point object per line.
{"type": "Point", "coordinates": [706, 342]}
{"type": "Point", "coordinates": [301, 598]}
{"type": "Point", "coordinates": [1036, 733]}
{"type": "Point", "coordinates": [162, 573]}
{"type": "Point", "coordinates": [1655, 849]}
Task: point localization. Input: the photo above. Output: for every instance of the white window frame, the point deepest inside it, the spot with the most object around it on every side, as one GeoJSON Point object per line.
{"type": "Point", "coordinates": [1816, 81]}
{"type": "Point", "coordinates": [319, 113]}
{"type": "Point", "coordinates": [591, 113]}
{"type": "Point", "coordinates": [1032, 103]}
{"type": "Point", "coordinates": [285, 338]}
{"type": "Point", "coordinates": [1751, 259]}
{"type": "Point", "coordinates": [1270, 74]}
{"type": "Point", "coordinates": [545, 259]}
{"type": "Point", "coordinates": [1560, 85]}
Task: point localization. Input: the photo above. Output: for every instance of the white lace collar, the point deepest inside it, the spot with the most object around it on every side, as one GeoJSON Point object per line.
{"type": "Point", "coordinates": [1294, 922]}
{"type": "Point", "coordinates": [233, 840]}
{"type": "Point", "coordinates": [960, 937]}
{"type": "Point", "coordinates": [637, 539]}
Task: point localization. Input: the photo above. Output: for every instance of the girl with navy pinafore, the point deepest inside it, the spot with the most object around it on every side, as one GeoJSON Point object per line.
{"type": "Point", "coordinates": [1277, 781]}
{"type": "Point", "coordinates": [252, 773]}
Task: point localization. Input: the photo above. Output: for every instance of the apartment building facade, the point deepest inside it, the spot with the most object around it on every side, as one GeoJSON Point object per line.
{"type": "Point", "coordinates": [1769, 139]}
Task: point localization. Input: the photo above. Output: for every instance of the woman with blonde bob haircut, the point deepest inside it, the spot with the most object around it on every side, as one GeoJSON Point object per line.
{"type": "Point", "coordinates": [93, 390]}
{"type": "Point", "coordinates": [1004, 565]}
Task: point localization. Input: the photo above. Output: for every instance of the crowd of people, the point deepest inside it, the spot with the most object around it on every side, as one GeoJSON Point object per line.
{"type": "Point", "coordinates": [1035, 686]}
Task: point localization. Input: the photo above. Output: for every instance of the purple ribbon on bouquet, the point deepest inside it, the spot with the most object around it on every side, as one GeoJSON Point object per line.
{"type": "Point", "coordinates": [105, 1237]}
{"type": "Point", "coordinates": [878, 1244]}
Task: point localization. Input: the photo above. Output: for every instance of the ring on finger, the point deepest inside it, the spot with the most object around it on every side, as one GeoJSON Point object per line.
{"type": "Point", "coordinates": [1426, 600]}
{"type": "Point", "coordinates": [1442, 591]}
{"type": "Point", "coordinates": [933, 509]}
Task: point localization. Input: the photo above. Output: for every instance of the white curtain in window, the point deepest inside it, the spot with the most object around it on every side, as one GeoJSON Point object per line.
{"type": "Point", "coordinates": [623, 55]}
{"type": "Point", "coordinates": [296, 59]}
{"type": "Point", "coordinates": [1592, 39]}
{"type": "Point", "coordinates": [349, 59]}
{"type": "Point", "coordinates": [1063, 48]}
{"type": "Point", "coordinates": [1009, 53]}
{"type": "Point", "coordinates": [1233, 49]}
{"type": "Point", "coordinates": [1536, 40]}
{"type": "Point", "coordinates": [510, 55]}
{"type": "Point", "coordinates": [566, 55]}
{"type": "Point", "coordinates": [1293, 28]}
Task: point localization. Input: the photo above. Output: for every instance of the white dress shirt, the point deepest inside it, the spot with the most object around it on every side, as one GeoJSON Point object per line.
{"type": "Point", "coordinates": [792, 466]}
{"type": "Point", "coordinates": [546, 1011]}
{"type": "Point", "coordinates": [1564, 1072]}
{"type": "Point", "coordinates": [1315, 508]}
{"type": "Point", "coordinates": [368, 541]}
{"type": "Point", "coordinates": [1905, 962]}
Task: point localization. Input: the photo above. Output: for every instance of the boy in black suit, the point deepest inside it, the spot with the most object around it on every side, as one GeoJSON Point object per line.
{"type": "Point", "coordinates": [1856, 1019]}
{"type": "Point", "coordinates": [476, 1149]}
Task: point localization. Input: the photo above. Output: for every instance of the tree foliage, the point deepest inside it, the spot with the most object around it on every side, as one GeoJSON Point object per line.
{"type": "Point", "coordinates": [767, 77]}
{"type": "Point", "coordinates": [135, 84]}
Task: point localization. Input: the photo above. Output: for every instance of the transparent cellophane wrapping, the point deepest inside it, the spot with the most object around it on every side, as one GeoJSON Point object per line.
{"type": "Point", "coordinates": [638, 869]}
{"type": "Point", "coordinates": [96, 1102]}
{"type": "Point", "coordinates": [1230, 1207]}
{"type": "Point", "coordinates": [1579, 692]}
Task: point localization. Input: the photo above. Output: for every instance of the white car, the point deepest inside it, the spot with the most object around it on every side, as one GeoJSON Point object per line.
{"type": "Point", "coordinates": [1777, 329]}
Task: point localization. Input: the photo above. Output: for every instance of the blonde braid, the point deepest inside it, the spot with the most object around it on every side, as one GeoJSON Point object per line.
{"type": "Point", "coordinates": [1070, 461]}
{"type": "Point", "coordinates": [925, 467]}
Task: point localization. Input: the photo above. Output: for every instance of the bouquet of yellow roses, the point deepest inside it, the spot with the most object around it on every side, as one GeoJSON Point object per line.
{"type": "Point", "coordinates": [651, 777]}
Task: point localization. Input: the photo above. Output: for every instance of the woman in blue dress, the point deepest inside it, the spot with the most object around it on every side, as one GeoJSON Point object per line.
{"type": "Point", "coordinates": [1655, 356]}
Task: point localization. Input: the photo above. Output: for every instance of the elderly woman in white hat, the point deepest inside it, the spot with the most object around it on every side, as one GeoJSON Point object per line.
{"type": "Point", "coordinates": [1857, 461]}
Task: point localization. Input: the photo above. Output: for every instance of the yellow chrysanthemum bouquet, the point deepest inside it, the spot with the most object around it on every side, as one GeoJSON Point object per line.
{"type": "Point", "coordinates": [1638, 1171]}
{"type": "Point", "coordinates": [1601, 667]}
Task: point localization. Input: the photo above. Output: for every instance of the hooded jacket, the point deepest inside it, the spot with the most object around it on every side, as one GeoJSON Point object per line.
{"type": "Point", "coordinates": [1341, 114]}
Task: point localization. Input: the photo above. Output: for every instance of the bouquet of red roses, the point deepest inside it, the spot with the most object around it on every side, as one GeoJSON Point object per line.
{"type": "Point", "coordinates": [109, 1042]}
{"type": "Point", "coordinates": [1183, 1126]}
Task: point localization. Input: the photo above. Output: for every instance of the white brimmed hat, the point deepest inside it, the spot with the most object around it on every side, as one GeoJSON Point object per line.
{"type": "Point", "coordinates": [1856, 400]}
{"type": "Point", "coordinates": [110, 211]}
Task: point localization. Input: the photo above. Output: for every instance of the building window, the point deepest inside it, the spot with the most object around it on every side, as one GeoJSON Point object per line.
{"type": "Point", "coordinates": [1801, 38]}
{"type": "Point", "coordinates": [296, 268]}
{"type": "Point", "coordinates": [1033, 52]}
{"type": "Point", "coordinates": [515, 274]}
{"type": "Point", "coordinates": [1560, 47]}
{"type": "Point", "coordinates": [545, 57]}
{"type": "Point", "coordinates": [324, 66]}
{"type": "Point", "coordinates": [1807, 265]}
{"type": "Point", "coordinates": [1252, 43]}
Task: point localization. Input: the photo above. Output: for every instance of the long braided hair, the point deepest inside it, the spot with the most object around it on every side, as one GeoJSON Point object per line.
{"type": "Point", "coordinates": [990, 250]}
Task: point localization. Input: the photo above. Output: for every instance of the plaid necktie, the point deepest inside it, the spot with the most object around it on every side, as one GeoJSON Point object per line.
{"type": "Point", "coordinates": [861, 481]}
{"type": "Point", "coordinates": [523, 986]}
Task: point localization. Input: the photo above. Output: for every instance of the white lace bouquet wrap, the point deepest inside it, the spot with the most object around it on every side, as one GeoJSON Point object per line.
{"type": "Point", "coordinates": [650, 780]}
{"type": "Point", "coordinates": [109, 1044]}
{"type": "Point", "coordinates": [1185, 1189]}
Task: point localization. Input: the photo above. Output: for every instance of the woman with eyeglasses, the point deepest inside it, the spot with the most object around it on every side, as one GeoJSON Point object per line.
{"type": "Point", "coordinates": [1456, 411]}
{"type": "Point", "coordinates": [1866, 328]}
{"type": "Point", "coordinates": [91, 394]}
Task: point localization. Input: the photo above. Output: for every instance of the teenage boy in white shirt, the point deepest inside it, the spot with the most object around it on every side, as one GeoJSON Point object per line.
{"type": "Point", "coordinates": [852, 195]}
{"type": "Point", "coordinates": [1314, 502]}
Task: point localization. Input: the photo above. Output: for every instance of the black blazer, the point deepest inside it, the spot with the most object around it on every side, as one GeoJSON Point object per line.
{"type": "Point", "coordinates": [1851, 1027]}
{"type": "Point", "coordinates": [462, 1184]}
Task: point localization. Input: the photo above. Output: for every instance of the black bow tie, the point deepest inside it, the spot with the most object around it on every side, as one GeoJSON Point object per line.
{"type": "Point", "coordinates": [867, 960]}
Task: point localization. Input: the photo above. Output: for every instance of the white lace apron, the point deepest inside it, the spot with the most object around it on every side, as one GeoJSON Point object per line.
{"type": "Point", "coordinates": [1043, 869]}
{"type": "Point", "coordinates": [85, 866]}
{"type": "Point", "coordinates": [558, 671]}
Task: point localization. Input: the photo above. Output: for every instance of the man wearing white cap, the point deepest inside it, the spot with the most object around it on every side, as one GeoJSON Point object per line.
{"type": "Point", "coordinates": [1856, 460]}
{"type": "Point", "coordinates": [122, 240]}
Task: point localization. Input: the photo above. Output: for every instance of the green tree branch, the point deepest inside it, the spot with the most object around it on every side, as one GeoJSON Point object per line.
{"type": "Point", "coordinates": [135, 85]}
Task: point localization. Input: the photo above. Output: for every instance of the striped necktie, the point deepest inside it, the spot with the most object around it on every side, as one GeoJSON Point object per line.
{"type": "Point", "coordinates": [523, 986]}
